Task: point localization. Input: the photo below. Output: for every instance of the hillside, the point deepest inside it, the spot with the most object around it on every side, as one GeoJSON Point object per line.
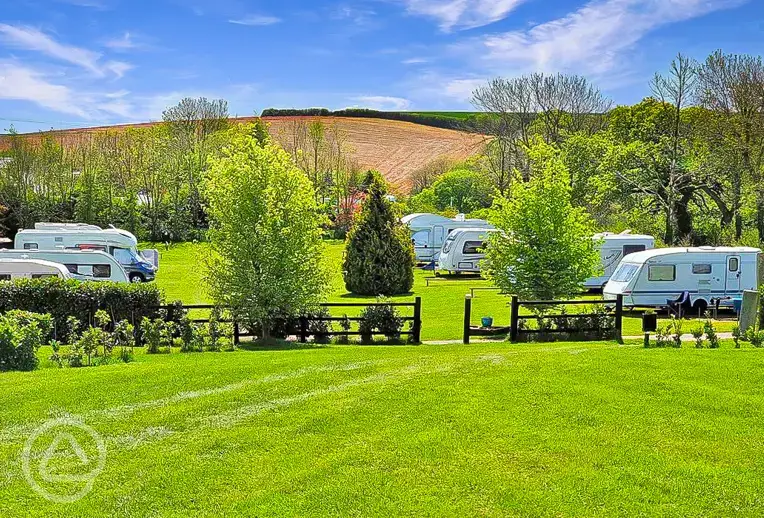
{"type": "Point", "coordinates": [395, 148]}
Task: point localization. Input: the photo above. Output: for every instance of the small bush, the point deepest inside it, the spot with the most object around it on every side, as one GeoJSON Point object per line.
{"type": "Point", "coordinates": [151, 332]}
{"type": "Point", "coordinates": [697, 334]}
{"type": "Point", "coordinates": [713, 338]}
{"type": "Point", "coordinates": [384, 319]}
{"type": "Point", "coordinates": [20, 337]}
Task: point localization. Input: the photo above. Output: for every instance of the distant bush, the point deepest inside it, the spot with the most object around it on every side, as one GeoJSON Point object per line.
{"type": "Point", "coordinates": [62, 299]}
{"type": "Point", "coordinates": [465, 123]}
{"type": "Point", "coordinates": [384, 319]}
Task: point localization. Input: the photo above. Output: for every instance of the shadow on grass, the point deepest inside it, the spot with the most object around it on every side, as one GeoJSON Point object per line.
{"type": "Point", "coordinates": [278, 345]}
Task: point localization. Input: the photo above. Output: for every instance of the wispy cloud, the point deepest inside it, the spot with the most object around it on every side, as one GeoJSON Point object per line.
{"type": "Point", "coordinates": [124, 42]}
{"type": "Point", "coordinates": [382, 102]}
{"type": "Point", "coordinates": [29, 38]}
{"type": "Point", "coordinates": [593, 38]}
{"type": "Point", "coordinates": [18, 82]}
{"type": "Point", "coordinates": [415, 61]}
{"type": "Point", "coordinates": [462, 14]}
{"type": "Point", "coordinates": [256, 20]}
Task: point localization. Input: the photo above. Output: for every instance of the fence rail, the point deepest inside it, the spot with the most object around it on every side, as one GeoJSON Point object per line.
{"type": "Point", "coordinates": [302, 330]}
{"type": "Point", "coordinates": [516, 329]}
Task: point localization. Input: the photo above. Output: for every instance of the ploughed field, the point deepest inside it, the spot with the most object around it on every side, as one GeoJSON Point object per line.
{"type": "Point", "coordinates": [395, 148]}
{"type": "Point", "coordinates": [181, 277]}
{"type": "Point", "coordinates": [447, 430]}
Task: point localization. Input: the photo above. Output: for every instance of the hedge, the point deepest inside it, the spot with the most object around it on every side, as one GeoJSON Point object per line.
{"type": "Point", "coordinates": [438, 121]}
{"type": "Point", "coordinates": [64, 298]}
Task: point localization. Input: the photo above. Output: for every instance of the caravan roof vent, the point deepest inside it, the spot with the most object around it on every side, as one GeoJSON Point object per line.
{"type": "Point", "coordinates": [626, 232]}
{"type": "Point", "coordinates": [460, 217]}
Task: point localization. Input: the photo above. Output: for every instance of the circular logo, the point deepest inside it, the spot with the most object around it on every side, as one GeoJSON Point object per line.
{"type": "Point", "coordinates": [62, 458]}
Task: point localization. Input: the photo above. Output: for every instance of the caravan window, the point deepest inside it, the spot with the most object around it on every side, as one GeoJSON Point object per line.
{"type": "Point", "coordinates": [661, 272]}
{"type": "Point", "coordinates": [102, 271]}
{"type": "Point", "coordinates": [72, 268]}
{"type": "Point", "coordinates": [420, 238]}
{"type": "Point", "coordinates": [734, 264]}
{"type": "Point", "coordinates": [30, 246]}
{"type": "Point", "coordinates": [630, 249]}
{"type": "Point", "coordinates": [5, 277]}
{"type": "Point", "coordinates": [43, 275]}
{"type": "Point", "coordinates": [701, 269]}
{"type": "Point", "coordinates": [624, 273]}
{"type": "Point", "coordinates": [473, 247]}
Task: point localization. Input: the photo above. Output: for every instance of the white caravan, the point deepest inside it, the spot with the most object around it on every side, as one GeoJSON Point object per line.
{"type": "Point", "coordinates": [83, 265]}
{"type": "Point", "coordinates": [429, 231]}
{"type": "Point", "coordinates": [655, 277]}
{"type": "Point", "coordinates": [463, 250]}
{"type": "Point", "coordinates": [613, 248]}
{"type": "Point", "coordinates": [11, 269]}
{"type": "Point", "coordinates": [80, 236]}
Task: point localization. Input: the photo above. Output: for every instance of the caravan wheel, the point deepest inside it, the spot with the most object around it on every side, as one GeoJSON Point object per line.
{"type": "Point", "coordinates": [136, 278]}
{"type": "Point", "coordinates": [699, 307]}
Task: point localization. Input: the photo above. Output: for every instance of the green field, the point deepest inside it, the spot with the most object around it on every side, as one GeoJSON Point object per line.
{"type": "Point", "coordinates": [181, 278]}
{"type": "Point", "coordinates": [447, 430]}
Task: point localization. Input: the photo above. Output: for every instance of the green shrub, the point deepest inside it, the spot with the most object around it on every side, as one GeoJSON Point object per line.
{"type": "Point", "coordinates": [62, 299]}
{"type": "Point", "coordinates": [379, 257]}
{"type": "Point", "coordinates": [151, 333]}
{"type": "Point", "coordinates": [384, 319]}
{"type": "Point", "coordinates": [122, 338]}
{"type": "Point", "coordinates": [713, 338]}
{"type": "Point", "coordinates": [20, 337]}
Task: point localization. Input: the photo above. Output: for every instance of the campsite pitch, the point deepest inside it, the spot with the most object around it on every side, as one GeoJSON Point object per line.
{"type": "Point", "coordinates": [492, 430]}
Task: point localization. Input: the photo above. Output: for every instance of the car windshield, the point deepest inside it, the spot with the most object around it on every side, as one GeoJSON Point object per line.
{"type": "Point", "coordinates": [126, 255]}
{"type": "Point", "coordinates": [624, 273]}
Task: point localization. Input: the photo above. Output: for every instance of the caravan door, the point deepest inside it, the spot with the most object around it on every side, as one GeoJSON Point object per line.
{"type": "Point", "coordinates": [733, 273]}
{"type": "Point", "coordinates": [438, 235]}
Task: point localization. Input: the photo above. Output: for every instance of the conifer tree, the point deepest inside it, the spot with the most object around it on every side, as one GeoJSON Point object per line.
{"type": "Point", "coordinates": [379, 258]}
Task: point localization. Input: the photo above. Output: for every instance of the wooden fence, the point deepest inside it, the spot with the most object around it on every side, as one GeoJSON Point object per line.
{"type": "Point", "coordinates": [303, 328]}
{"type": "Point", "coordinates": [567, 323]}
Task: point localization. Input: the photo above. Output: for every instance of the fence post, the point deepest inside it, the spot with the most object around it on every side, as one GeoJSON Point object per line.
{"type": "Point", "coordinates": [514, 319]}
{"type": "Point", "coordinates": [417, 320]}
{"type": "Point", "coordinates": [303, 329]}
{"type": "Point", "coordinates": [467, 318]}
{"type": "Point", "coordinates": [619, 318]}
{"type": "Point", "coordinates": [235, 332]}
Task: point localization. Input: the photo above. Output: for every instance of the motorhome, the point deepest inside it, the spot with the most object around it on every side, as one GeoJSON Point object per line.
{"type": "Point", "coordinates": [613, 248]}
{"type": "Point", "coordinates": [80, 236]}
{"type": "Point", "coordinates": [655, 278]}
{"type": "Point", "coordinates": [84, 265]}
{"type": "Point", "coordinates": [429, 231]}
{"type": "Point", "coordinates": [11, 269]}
{"type": "Point", "coordinates": [463, 251]}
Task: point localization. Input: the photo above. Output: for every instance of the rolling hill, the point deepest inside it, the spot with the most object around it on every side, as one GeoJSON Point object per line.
{"type": "Point", "coordinates": [395, 148]}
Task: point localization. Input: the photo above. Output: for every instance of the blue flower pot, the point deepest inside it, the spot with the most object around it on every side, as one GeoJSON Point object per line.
{"type": "Point", "coordinates": [486, 321]}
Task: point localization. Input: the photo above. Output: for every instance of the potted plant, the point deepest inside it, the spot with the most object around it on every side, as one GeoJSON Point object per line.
{"type": "Point", "coordinates": [649, 321]}
{"type": "Point", "coordinates": [486, 321]}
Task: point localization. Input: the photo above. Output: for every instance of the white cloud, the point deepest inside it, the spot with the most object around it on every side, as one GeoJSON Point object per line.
{"type": "Point", "coordinates": [124, 42]}
{"type": "Point", "coordinates": [414, 61]}
{"type": "Point", "coordinates": [118, 68]}
{"type": "Point", "coordinates": [256, 20]}
{"type": "Point", "coordinates": [462, 14]}
{"type": "Point", "coordinates": [32, 39]}
{"type": "Point", "coordinates": [29, 38]}
{"type": "Point", "coordinates": [382, 102]}
{"type": "Point", "coordinates": [592, 39]}
{"type": "Point", "coordinates": [20, 83]}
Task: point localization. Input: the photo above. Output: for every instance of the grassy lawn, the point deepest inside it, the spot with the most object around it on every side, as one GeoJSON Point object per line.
{"type": "Point", "coordinates": [180, 276]}
{"type": "Point", "coordinates": [489, 429]}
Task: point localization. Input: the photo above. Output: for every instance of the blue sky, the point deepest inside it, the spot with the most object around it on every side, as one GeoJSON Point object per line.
{"type": "Point", "coordinates": [73, 63]}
